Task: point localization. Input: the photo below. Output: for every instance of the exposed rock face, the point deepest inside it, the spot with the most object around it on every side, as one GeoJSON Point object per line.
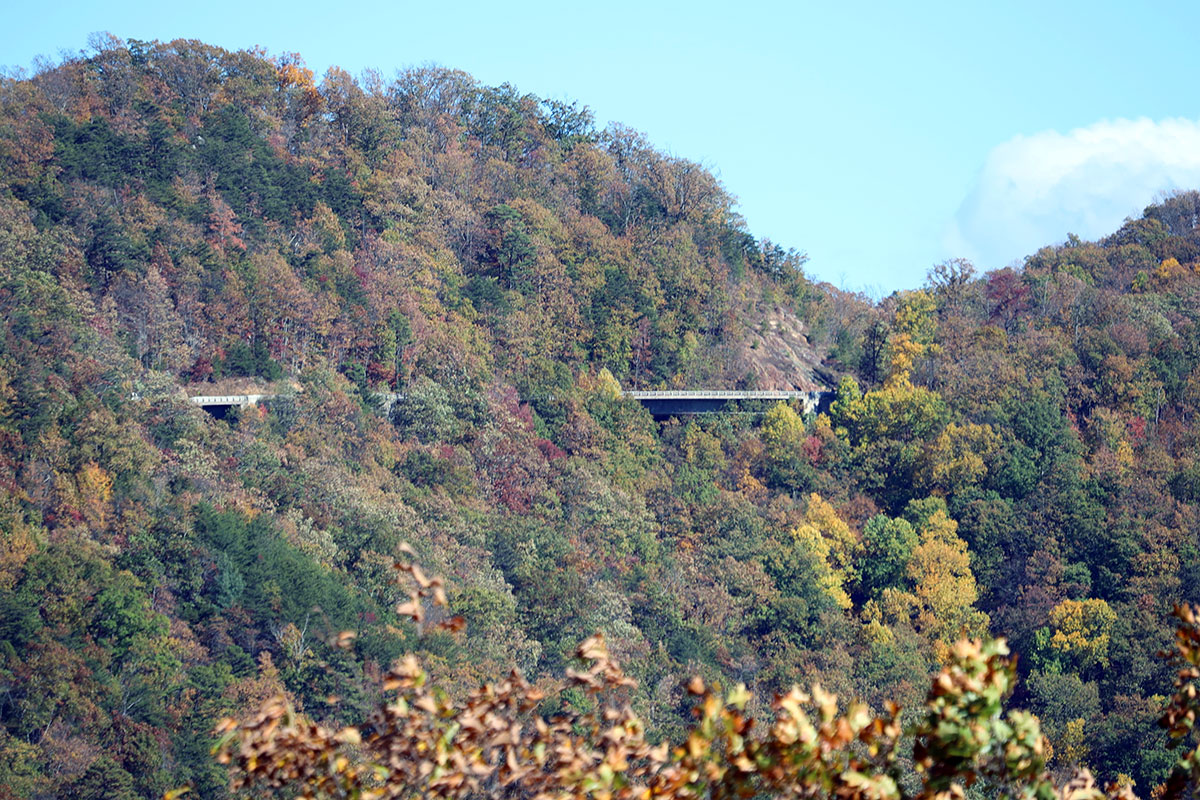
{"type": "Point", "coordinates": [779, 355]}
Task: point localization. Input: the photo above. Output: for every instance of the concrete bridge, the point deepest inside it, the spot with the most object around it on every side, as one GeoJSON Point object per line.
{"type": "Point", "coordinates": [708, 401]}
{"type": "Point", "coordinates": [218, 405]}
{"type": "Point", "coordinates": [659, 403]}
{"type": "Point", "coordinates": [228, 400]}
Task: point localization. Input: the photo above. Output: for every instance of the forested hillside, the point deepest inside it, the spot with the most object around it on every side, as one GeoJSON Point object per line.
{"type": "Point", "coordinates": [1012, 453]}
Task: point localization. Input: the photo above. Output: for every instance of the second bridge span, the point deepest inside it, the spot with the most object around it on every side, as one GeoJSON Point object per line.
{"type": "Point", "coordinates": [707, 401]}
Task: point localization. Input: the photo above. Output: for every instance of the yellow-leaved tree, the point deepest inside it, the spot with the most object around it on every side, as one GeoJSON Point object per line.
{"type": "Point", "coordinates": [829, 539]}
{"type": "Point", "coordinates": [1082, 631]}
{"type": "Point", "coordinates": [914, 327]}
{"type": "Point", "coordinates": [956, 459]}
{"type": "Point", "coordinates": [941, 602]}
{"type": "Point", "coordinates": [783, 432]}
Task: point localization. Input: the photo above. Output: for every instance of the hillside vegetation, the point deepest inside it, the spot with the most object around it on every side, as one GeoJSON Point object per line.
{"type": "Point", "coordinates": [1008, 454]}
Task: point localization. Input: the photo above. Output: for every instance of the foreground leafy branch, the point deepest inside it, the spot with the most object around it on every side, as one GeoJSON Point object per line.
{"type": "Point", "coordinates": [495, 744]}
{"type": "Point", "coordinates": [1181, 714]}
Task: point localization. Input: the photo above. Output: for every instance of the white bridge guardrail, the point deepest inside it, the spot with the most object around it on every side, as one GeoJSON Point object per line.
{"type": "Point", "coordinates": [228, 399]}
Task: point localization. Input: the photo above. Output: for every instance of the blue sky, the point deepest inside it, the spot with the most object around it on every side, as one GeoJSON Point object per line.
{"type": "Point", "coordinates": [879, 137]}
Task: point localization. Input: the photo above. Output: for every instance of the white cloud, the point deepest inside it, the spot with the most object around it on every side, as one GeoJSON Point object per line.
{"type": "Point", "coordinates": [1034, 190]}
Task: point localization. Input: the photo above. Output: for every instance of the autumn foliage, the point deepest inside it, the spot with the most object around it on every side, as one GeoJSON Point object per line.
{"type": "Point", "coordinates": [497, 742]}
{"type": "Point", "coordinates": [446, 285]}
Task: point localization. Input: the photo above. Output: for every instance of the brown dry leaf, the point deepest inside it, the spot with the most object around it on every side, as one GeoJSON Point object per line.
{"type": "Point", "coordinates": [593, 648]}
{"type": "Point", "coordinates": [412, 609]}
{"type": "Point", "coordinates": [348, 735]}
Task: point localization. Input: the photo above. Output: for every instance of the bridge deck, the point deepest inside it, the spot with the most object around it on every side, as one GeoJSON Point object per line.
{"type": "Point", "coordinates": [720, 394]}
{"type": "Point", "coordinates": [664, 404]}
{"type": "Point", "coordinates": [659, 402]}
{"type": "Point", "coordinates": [227, 399]}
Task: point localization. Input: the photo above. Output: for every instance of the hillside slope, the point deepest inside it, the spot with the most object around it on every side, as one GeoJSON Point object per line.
{"type": "Point", "coordinates": [175, 215]}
